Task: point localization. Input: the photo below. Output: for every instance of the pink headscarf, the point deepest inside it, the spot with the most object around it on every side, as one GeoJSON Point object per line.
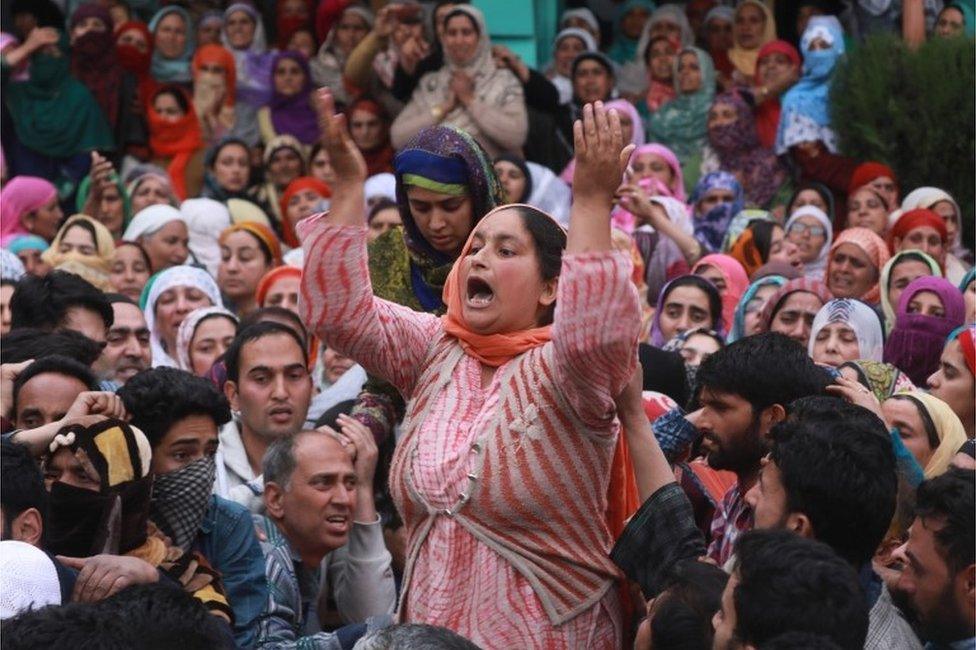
{"type": "Point", "coordinates": [678, 181]}
{"type": "Point", "coordinates": [736, 281]}
{"type": "Point", "coordinates": [21, 195]}
{"type": "Point", "coordinates": [622, 106]}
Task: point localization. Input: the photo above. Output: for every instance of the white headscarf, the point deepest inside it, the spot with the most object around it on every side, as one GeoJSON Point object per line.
{"type": "Point", "coordinates": [28, 579]}
{"type": "Point", "coordinates": [205, 220]}
{"type": "Point", "coordinates": [815, 270]}
{"type": "Point", "coordinates": [176, 276]}
{"type": "Point", "coordinates": [860, 318]}
{"type": "Point", "coordinates": [583, 14]}
{"type": "Point", "coordinates": [188, 328]}
{"type": "Point", "coordinates": [150, 220]}
{"type": "Point", "coordinates": [380, 185]}
{"type": "Point", "coordinates": [633, 75]}
{"type": "Point", "coordinates": [549, 193]}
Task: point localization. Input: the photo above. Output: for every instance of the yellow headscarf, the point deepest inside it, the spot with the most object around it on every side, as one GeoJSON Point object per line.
{"type": "Point", "coordinates": [745, 60]}
{"type": "Point", "coordinates": [94, 268]}
{"type": "Point", "coordinates": [948, 428]}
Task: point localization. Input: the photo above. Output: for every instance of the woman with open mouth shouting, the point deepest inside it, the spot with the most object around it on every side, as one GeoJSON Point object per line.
{"type": "Point", "coordinates": [502, 467]}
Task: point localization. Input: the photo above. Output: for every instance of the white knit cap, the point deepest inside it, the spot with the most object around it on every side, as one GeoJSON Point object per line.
{"type": "Point", "coordinates": [28, 579]}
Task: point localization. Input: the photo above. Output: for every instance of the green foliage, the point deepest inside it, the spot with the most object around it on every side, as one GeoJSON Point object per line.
{"type": "Point", "coordinates": [914, 111]}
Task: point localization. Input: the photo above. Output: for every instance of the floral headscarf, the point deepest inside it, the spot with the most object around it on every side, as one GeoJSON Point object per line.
{"type": "Point", "coordinates": [710, 228]}
{"type": "Point", "coordinates": [882, 379]}
{"type": "Point", "coordinates": [176, 276]}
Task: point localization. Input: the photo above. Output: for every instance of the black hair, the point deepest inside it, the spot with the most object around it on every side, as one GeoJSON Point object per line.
{"type": "Point", "coordinates": [159, 398]}
{"type": "Point", "coordinates": [646, 54]}
{"type": "Point", "coordinates": [245, 335]}
{"type": "Point", "coordinates": [523, 166]}
{"type": "Point", "coordinates": [30, 343]}
{"type": "Point", "coordinates": [453, 13]}
{"type": "Point", "coordinates": [44, 302]}
{"type": "Point", "coordinates": [949, 498]}
{"type": "Point", "coordinates": [683, 617]}
{"type": "Point", "coordinates": [819, 188]}
{"type": "Point", "coordinates": [140, 248]}
{"type": "Point", "coordinates": [115, 298]}
{"type": "Point", "coordinates": [176, 93]}
{"type": "Point", "coordinates": [383, 203]}
{"type": "Point", "coordinates": [85, 225]}
{"type": "Point", "coordinates": [664, 372]}
{"type": "Point", "coordinates": [837, 467]}
{"type": "Point", "coordinates": [215, 150]}
{"type": "Point", "coordinates": [550, 241]}
{"type": "Point", "coordinates": [788, 583]}
{"type": "Point", "coordinates": [884, 201]}
{"type": "Point", "coordinates": [698, 282]}
{"type": "Point", "coordinates": [274, 314]}
{"type": "Point", "coordinates": [799, 641]}
{"type": "Point", "coordinates": [58, 365]}
{"type": "Point", "coordinates": [764, 369]}
{"type": "Point", "coordinates": [907, 256]}
{"type": "Point", "coordinates": [21, 483]}
{"type": "Point", "coordinates": [930, 431]}
{"type": "Point", "coordinates": [762, 234]}
{"type": "Point", "coordinates": [262, 246]}
{"type": "Point", "coordinates": [593, 55]}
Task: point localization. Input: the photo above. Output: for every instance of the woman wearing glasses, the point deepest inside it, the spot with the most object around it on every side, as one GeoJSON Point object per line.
{"type": "Point", "coordinates": [809, 228]}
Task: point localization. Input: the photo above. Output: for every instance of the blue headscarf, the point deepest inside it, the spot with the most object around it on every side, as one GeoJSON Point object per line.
{"type": "Point", "coordinates": [710, 228]}
{"type": "Point", "coordinates": [173, 70]}
{"type": "Point", "coordinates": [738, 330]}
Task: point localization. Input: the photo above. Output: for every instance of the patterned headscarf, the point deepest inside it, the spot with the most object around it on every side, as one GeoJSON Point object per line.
{"type": "Point", "coordinates": [873, 246]}
{"type": "Point", "coordinates": [710, 228]}
{"type": "Point", "coordinates": [776, 301]}
{"type": "Point", "coordinates": [860, 318]}
{"type": "Point", "coordinates": [882, 379]}
{"type": "Point", "coordinates": [188, 328]}
{"type": "Point", "coordinates": [682, 123]}
{"type": "Point", "coordinates": [748, 304]}
{"type": "Point", "coordinates": [175, 276]}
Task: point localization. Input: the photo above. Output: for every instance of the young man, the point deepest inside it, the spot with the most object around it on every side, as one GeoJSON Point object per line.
{"type": "Point", "coordinates": [61, 301]}
{"type": "Point", "coordinates": [127, 350]}
{"type": "Point", "coordinates": [45, 391]}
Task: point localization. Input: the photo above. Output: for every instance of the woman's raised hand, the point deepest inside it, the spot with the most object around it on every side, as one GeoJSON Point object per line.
{"type": "Point", "coordinates": [601, 157]}
{"type": "Point", "coordinates": [347, 160]}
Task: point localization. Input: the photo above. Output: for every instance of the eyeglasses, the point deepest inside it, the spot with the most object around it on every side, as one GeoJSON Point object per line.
{"type": "Point", "coordinates": [801, 229]}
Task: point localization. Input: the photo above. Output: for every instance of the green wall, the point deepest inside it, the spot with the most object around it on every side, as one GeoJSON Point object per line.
{"type": "Point", "coordinates": [526, 26]}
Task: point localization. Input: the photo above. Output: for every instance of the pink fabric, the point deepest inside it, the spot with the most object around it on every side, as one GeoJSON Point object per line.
{"type": "Point", "coordinates": [678, 181]}
{"type": "Point", "coordinates": [736, 281]}
{"type": "Point", "coordinates": [18, 197]}
{"type": "Point", "coordinates": [627, 222]}
{"type": "Point", "coordinates": [521, 562]}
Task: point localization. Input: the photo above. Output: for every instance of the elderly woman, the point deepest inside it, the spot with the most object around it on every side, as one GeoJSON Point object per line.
{"type": "Point", "coordinates": [175, 293]}
{"type": "Point", "coordinates": [777, 69]}
{"type": "Point", "coordinates": [845, 330]}
{"type": "Point", "coordinates": [149, 185]}
{"type": "Point", "coordinates": [173, 45]}
{"type": "Point", "coordinates": [469, 92]}
{"type": "Point", "coordinates": [941, 202]}
{"type": "Point", "coordinates": [668, 22]}
{"type": "Point", "coordinates": [810, 230]}
{"type": "Point", "coordinates": [162, 233]}
{"type": "Point", "coordinates": [854, 265]}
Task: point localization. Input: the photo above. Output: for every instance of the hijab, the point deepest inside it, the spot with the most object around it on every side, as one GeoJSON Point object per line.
{"type": "Point", "coordinates": [267, 240]}
{"type": "Point", "coordinates": [751, 248]}
{"type": "Point", "coordinates": [175, 70]}
{"type": "Point", "coordinates": [662, 257]}
{"type": "Point", "coordinates": [819, 188]}
{"type": "Point", "coordinates": [216, 54]}
{"type": "Point", "coordinates": [298, 185]}
{"type": "Point", "coordinates": [926, 197]}
{"type": "Point", "coordinates": [682, 123]}
{"type": "Point", "coordinates": [768, 112]}
{"type": "Point", "coordinates": [720, 57]}
{"type": "Point", "coordinates": [815, 269]}
{"type": "Point", "coordinates": [915, 343]}
{"type": "Point", "coordinates": [745, 60]}
{"type": "Point", "coordinates": [134, 60]}
{"type": "Point", "coordinates": [175, 276]}
{"type": "Point", "coordinates": [523, 166]}
{"type": "Point", "coordinates": [634, 74]}
{"type": "Point", "coordinates": [677, 187]}
{"type": "Point", "coordinates": [748, 304]}
{"type": "Point", "coordinates": [862, 320]}
{"type": "Point", "coordinates": [18, 197]}
{"type": "Point", "coordinates": [253, 64]}
{"type": "Point", "coordinates": [563, 84]}
{"type": "Point", "coordinates": [380, 158]}
{"type": "Point", "coordinates": [150, 220]}
{"type": "Point", "coordinates": [739, 225]}
{"type": "Point", "coordinates": [806, 285]}
{"type": "Point", "coordinates": [638, 137]}
{"type": "Point", "coordinates": [714, 303]}
{"type": "Point", "coordinates": [882, 379]}
{"type": "Point", "coordinates": [623, 48]}
{"type": "Point", "coordinates": [885, 282]}
{"type": "Point", "coordinates": [736, 281]}
{"type": "Point", "coordinates": [94, 62]}
{"type": "Point", "coordinates": [872, 246]}
{"type": "Point", "coordinates": [95, 267]}
{"type": "Point", "coordinates": [294, 115]}
{"type": "Point", "coordinates": [271, 277]}
{"type": "Point", "coordinates": [740, 152]}
{"type": "Point", "coordinates": [205, 220]}
{"type": "Point", "coordinates": [188, 329]}
{"type": "Point", "coordinates": [144, 171]}
{"type": "Point", "coordinates": [711, 227]}
{"type": "Point", "coordinates": [84, 189]}
{"type": "Point", "coordinates": [948, 429]}
{"type": "Point", "coordinates": [179, 141]}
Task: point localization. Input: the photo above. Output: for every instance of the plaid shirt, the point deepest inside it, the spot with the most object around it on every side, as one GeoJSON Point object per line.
{"type": "Point", "coordinates": [733, 517]}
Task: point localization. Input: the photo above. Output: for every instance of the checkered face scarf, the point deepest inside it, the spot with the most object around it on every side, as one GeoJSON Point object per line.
{"type": "Point", "coordinates": [180, 500]}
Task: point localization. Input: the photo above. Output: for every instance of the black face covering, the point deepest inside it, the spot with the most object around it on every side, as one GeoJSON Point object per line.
{"type": "Point", "coordinates": [82, 522]}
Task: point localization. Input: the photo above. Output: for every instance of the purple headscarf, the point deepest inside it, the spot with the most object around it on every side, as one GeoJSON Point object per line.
{"type": "Point", "coordinates": [714, 303]}
{"type": "Point", "coordinates": [294, 115]}
{"type": "Point", "coordinates": [710, 228]}
{"type": "Point", "coordinates": [916, 342]}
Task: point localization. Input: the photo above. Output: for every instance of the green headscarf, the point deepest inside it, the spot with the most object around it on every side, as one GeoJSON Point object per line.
{"type": "Point", "coordinates": [53, 113]}
{"type": "Point", "coordinates": [85, 188]}
{"type": "Point", "coordinates": [968, 9]}
{"type": "Point", "coordinates": [682, 123]}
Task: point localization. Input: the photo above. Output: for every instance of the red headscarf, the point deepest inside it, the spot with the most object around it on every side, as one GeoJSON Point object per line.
{"type": "Point", "coordinates": [379, 160]}
{"type": "Point", "coordinates": [136, 62]}
{"type": "Point", "coordinates": [178, 140]}
{"type": "Point", "coordinates": [216, 54]}
{"type": "Point", "coordinates": [271, 277]}
{"type": "Point", "coordinates": [915, 219]}
{"type": "Point", "coordinates": [294, 187]}
{"type": "Point", "coordinates": [870, 171]}
{"type": "Point", "coordinates": [767, 113]}
{"type": "Point", "coordinates": [286, 26]}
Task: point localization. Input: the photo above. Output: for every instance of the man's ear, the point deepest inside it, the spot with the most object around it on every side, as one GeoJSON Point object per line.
{"type": "Point", "coordinates": [770, 416]}
{"type": "Point", "coordinates": [28, 527]}
{"type": "Point", "coordinates": [799, 523]}
{"type": "Point", "coordinates": [230, 392]}
{"type": "Point", "coordinates": [274, 498]}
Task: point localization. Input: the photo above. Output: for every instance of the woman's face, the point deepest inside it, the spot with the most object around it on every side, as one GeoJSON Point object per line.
{"type": "Point", "coordinates": [714, 275]}
{"type": "Point", "coordinates": [689, 74]}
{"type": "Point", "coordinates": [150, 191]}
{"type": "Point", "coordinates": [592, 82]}
{"type": "Point", "coordinates": [168, 108]}
{"type": "Point", "coordinates": [626, 126]}
{"type": "Point", "coordinates": [927, 303]}
{"type": "Point", "coordinates": [33, 262]}
{"type": "Point", "coordinates": [322, 167]}
{"type": "Point", "coordinates": [947, 211]}
{"type": "Point", "coordinates": [951, 23]}
{"type": "Point", "coordinates": [566, 51]}
{"type": "Point", "coordinates": [685, 307]}
{"type": "Point", "coordinates": [351, 29]}
{"type": "Point", "coordinates": [284, 293]}
{"type": "Point", "coordinates": [368, 131]}
{"type": "Point", "coordinates": [835, 344]}
{"type": "Point", "coordinates": [6, 318]}
{"type": "Point", "coordinates": [302, 41]}
{"type": "Point", "coordinates": [128, 273]}
{"type": "Point", "coordinates": [170, 36]}
{"type": "Point", "coordinates": [443, 220]}
{"type": "Point", "coordinates": [210, 340]}
{"type": "Point", "coordinates": [77, 240]}
{"type": "Point", "coordinates": [809, 236]}
{"type": "Point", "coordinates": [666, 28]}
{"type": "Point", "coordinates": [923, 238]}
{"type": "Point", "coordinates": [111, 210]}
{"type": "Point", "coordinates": [208, 33]}
{"type": "Point", "coordinates": [44, 221]}
{"type": "Point", "coordinates": [755, 306]}
{"type": "Point", "coordinates": [795, 316]}
{"type": "Point", "coordinates": [651, 165]}
{"type": "Point", "coordinates": [852, 274]}
{"type": "Point", "coordinates": [85, 25]}
{"type": "Point", "coordinates": [722, 114]}
{"type": "Point", "coordinates": [302, 204]}
{"type": "Point", "coordinates": [903, 414]}
{"type": "Point", "coordinates": [660, 61]}
{"type": "Point", "coordinates": [750, 24]}
{"type": "Point", "coordinates": [289, 77]}
{"type": "Point", "coordinates": [699, 347]}
{"type": "Point", "coordinates": [632, 23]}
{"type": "Point", "coordinates": [502, 287]}
{"type": "Point", "coordinates": [953, 383]}
{"type": "Point", "coordinates": [809, 197]}
{"type": "Point", "coordinates": [284, 166]}
{"type": "Point", "coordinates": [168, 246]}
{"type": "Point", "coordinates": [242, 265]}
{"type": "Point", "coordinates": [903, 274]}
{"type": "Point", "coordinates": [232, 167]}
{"type": "Point", "coordinates": [775, 68]}
{"type": "Point", "coordinates": [335, 365]}
{"type": "Point", "coordinates": [460, 39]}
{"type": "Point", "coordinates": [969, 295]}
{"type": "Point", "coordinates": [172, 306]}
{"type": "Point", "coordinates": [383, 221]}
{"type": "Point", "coordinates": [512, 179]}
{"type": "Point", "coordinates": [240, 30]}
{"type": "Point", "coordinates": [718, 35]}
{"type": "Point", "coordinates": [134, 38]}
{"type": "Point", "coordinates": [782, 249]}
{"type": "Point", "coordinates": [866, 210]}
{"type": "Point", "coordinates": [714, 198]}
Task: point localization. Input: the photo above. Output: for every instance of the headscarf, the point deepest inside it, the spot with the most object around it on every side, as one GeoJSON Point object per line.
{"type": "Point", "coordinates": [254, 63]}
{"type": "Point", "coordinates": [862, 320]}
{"type": "Point", "coordinates": [806, 106]}
{"type": "Point", "coordinates": [882, 379]}
{"type": "Point", "coordinates": [179, 140]}
{"type": "Point", "coordinates": [247, 211]}
{"type": "Point", "coordinates": [294, 115]}
{"type": "Point", "coordinates": [175, 276]}
{"type": "Point", "coordinates": [150, 220]}
{"type": "Point", "coordinates": [968, 10]}
{"type": "Point", "coordinates": [173, 70]}
{"type": "Point", "coordinates": [776, 301]}
{"type": "Point", "coordinates": [188, 328]}
{"type": "Point", "coordinates": [966, 335]}
{"type": "Point", "coordinates": [205, 220]}
{"type": "Point", "coordinates": [815, 269]}
{"type": "Point", "coordinates": [720, 57]}
{"type": "Point", "coordinates": [736, 281]}
{"type": "Point", "coordinates": [633, 75]}
{"type": "Point", "coordinates": [739, 225]}
{"type": "Point", "coordinates": [211, 188]}
{"type": "Point", "coordinates": [738, 329]}
{"type": "Point", "coordinates": [710, 228]}
{"type": "Point", "coordinates": [379, 159]}
{"type": "Point", "coordinates": [84, 189]}
{"type": "Point", "coordinates": [134, 60]}
{"type": "Point", "coordinates": [11, 268]}
{"type": "Point", "coordinates": [948, 429]}
{"type": "Point", "coordinates": [662, 257]}
{"type": "Point", "coordinates": [94, 268]}
{"type": "Point", "coordinates": [19, 196]}
{"type": "Point", "coordinates": [519, 162]}
{"type": "Point", "coordinates": [584, 14]}
{"type": "Point", "coordinates": [768, 112]}
{"type": "Point", "coordinates": [677, 187]}
{"type": "Point", "coordinates": [144, 171]}
{"type": "Point", "coordinates": [271, 277]}
{"type": "Point", "coordinates": [563, 84]}
{"type": "Point", "coordinates": [682, 123]}
{"type": "Point", "coordinates": [926, 197]}
{"type": "Point", "coordinates": [741, 153]}
{"type": "Point", "coordinates": [638, 138]}
{"type": "Point", "coordinates": [380, 185]}
{"type": "Point", "coordinates": [916, 341]}
{"type": "Point", "coordinates": [714, 300]}
{"type": "Point", "coordinates": [27, 243]}
{"type": "Point", "coordinates": [262, 233]}
{"type": "Point", "coordinates": [745, 60]}
{"type": "Point", "coordinates": [94, 62]}
{"type": "Point", "coordinates": [873, 246]}
{"type": "Point", "coordinates": [819, 188]}
{"type": "Point", "coordinates": [210, 54]}
{"type": "Point", "coordinates": [747, 249]}
{"type": "Point", "coordinates": [53, 113]}
{"type": "Point", "coordinates": [868, 172]}
{"type": "Point", "coordinates": [298, 185]}
{"type": "Point", "coordinates": [623, 48]}
{"type": "Point", "coordinates": [917, 218]}
{"type": "Point", "coordinates": [286, 26]}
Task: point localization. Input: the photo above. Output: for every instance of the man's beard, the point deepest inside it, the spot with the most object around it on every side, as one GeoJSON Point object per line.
{"type": "Point", "coordinates": [943, 623]}
{"type": "Point", "coordinates": [742, 454]}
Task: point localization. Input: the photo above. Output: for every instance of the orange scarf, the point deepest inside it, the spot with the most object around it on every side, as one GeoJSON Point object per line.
{"type": "Point", "coordinates": [179, 140]}
{"type": "Point", "coordinates": [490, 349]}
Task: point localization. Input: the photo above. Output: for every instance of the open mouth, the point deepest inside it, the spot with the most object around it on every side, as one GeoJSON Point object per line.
{"type": "Point", "coordinates": [479, 293]}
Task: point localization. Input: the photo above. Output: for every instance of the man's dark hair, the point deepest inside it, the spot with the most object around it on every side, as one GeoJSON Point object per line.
{"type": "Point", "coordinates": [31, 343]}
{"type": "Point", "coordinates": [415, 635]}
{"type": "Point", "coordinates": [232, 357]}
{"type": "Point", "coordinates": [799, 641]}
{"type": "Point", "coordinates": [152, 616]}
{"type": "Point", "coordinates": [787, 583]}
{"type": "Point", "coordinates": [764, 369]}
{"type": "Point", "coordinates": [838, 468]}
{"type": "Point", "coordinates": [949, 500]}
{"type": "Point", "coordinates": [158, 398]}
{"type": "Point", "coordinates": [118, 297]}
{"type": "Point", "coordinates": [21, 483]}
{"type": "Point", "coordinates": [44, 302]}
{"type": "Point", "coordinates": [684, 610]}
{"type": "Point", "coordinates": [55, 364]}
{"type": "Point", "coordinates": [274, 314]}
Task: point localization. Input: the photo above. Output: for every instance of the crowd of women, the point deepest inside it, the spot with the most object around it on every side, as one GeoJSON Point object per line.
{"type": "Point", "coordinates": [172, 152]}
